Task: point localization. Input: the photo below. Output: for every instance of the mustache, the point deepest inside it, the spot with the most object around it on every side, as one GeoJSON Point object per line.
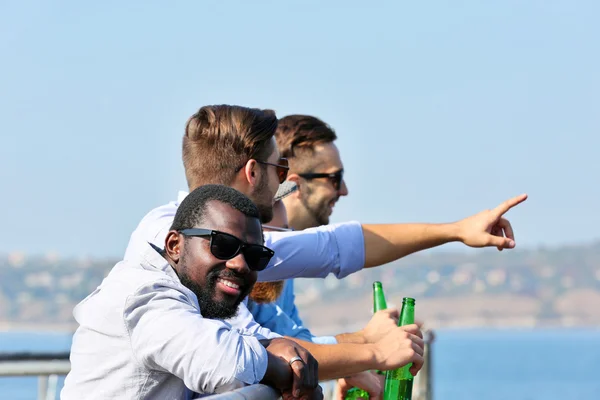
{"type": "Point", "coordinates": [225, 273]}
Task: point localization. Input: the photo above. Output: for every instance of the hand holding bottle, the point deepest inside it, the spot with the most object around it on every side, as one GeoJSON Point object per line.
{"type": "Point", "coordinates": [382, 323]}
{"type": "Point", "coordinates": [401, 346]}
{"type": "Point", "coordinates": [368, 381]}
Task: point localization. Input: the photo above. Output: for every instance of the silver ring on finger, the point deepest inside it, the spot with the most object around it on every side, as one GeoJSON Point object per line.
{"type": "Point", "coordinates": [294, 359]}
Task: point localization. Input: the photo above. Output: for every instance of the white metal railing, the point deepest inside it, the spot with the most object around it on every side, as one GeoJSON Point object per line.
{"type": "Point", "coordinates": [253, 392]}
{"type": "Point", "coordinates": [48, 367]}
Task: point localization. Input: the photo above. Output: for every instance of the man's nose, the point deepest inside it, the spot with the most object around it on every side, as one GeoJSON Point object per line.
{"type": "Point", "coordinates": [343, 189]}
{"type": "Point", "coordinates": [238, 264]}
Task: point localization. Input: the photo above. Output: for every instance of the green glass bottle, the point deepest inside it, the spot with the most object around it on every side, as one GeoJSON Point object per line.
{"type": "Point", "coordinates": [356, 394]}
{"type": "Point", "coordinates": [379, 304]}
{"type": "Point", "coordinates": [399, 382]}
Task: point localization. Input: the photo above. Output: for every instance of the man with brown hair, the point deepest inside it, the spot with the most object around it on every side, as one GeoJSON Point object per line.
{"type": "Point", "coordinates": [315, 166]}
{"type": "Point", "coordinates": [221, 137]}
{"type": "Point", "coordinates": [237, 145]}
{"type": "Point", "coordinates": [317, 170]}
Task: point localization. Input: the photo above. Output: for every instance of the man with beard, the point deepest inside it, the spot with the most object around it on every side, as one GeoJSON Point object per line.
{"type": "Point", "coordinates": [154, 328]}
{"type": "Point", "coordinates": [235, 146]}
{"type": "Point", "coordinates": [315, 167]}
{"type": "Point", "coordinates": [266, 305]}
{"type": "Point", "coordinates": [317, 170]}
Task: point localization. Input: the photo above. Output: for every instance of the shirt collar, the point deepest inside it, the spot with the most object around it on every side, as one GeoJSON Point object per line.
{"type": "Point", "coordinates": [153, 258]}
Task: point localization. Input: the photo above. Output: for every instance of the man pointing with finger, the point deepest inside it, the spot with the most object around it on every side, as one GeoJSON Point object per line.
{"type": "Point", "coordinates": [317, 170]}
{"type": "Point", "coordinates": [235, 146]}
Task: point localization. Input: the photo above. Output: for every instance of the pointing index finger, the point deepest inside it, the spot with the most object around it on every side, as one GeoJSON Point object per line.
{"type": "Point", "coordinates": [508, 204]}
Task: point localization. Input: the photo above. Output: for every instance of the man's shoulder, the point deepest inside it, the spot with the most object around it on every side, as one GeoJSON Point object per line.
{"type": "Point", "coordinates": [129, 275]}
{"type": "Point", "coordinates": [129, 279]}
{"type": "Point", "coordinates": [152, 228]}
{"type": "Point", "coordinates": [160, 213]}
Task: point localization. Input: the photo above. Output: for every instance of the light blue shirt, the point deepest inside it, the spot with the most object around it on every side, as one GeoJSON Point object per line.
{"type": "Point", "coordinates": [337, 249]}
{"type": "Point", "coordinates": [312, 253]}
{"type": "Point", "coordinates": [141, 335]}
{"type": "Point", "coordinates": [282, 317]}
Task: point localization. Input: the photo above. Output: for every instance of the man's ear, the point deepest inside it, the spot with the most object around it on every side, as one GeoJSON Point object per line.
{"type": "Point", "coordinates": [296, 179]}
{"type": "Point", "coordinates": [173, 244]}
{"type": "Point", "coordinates": [251, 172]}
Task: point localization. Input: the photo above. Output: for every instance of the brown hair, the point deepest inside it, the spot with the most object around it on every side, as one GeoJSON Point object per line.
{"type": "Point", "coordinates": [266, 292]}
{"type": "Point", "coordinates": [301, 132]}
{"type": "Point", "coordinates": [220, 138]}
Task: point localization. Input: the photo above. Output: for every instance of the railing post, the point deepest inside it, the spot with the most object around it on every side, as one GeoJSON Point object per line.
{"type": "Point", "coordinates": [52, 384]}
{"type": "Point", "coordinates": [42, 387]}
{"type": "Point", "coordinates": [424, 380]}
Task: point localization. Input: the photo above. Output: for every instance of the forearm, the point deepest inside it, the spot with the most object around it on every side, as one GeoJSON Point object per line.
{"type": "Point", "coordinates": [340, 360]}
{"type": "Point", "coordinates": [387, 243]}
{"type": "Point", "coordinates": [168, 333]}
{"type": "Point", "coordinates": [356, 338]}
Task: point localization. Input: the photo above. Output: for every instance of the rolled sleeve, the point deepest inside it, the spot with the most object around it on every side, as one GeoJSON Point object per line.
{"type": "Point", "coordinates": [246, 320]}
{"type": "Point", "coordinates": [272, 317]}
{"type": "Point", "coordinates": [324, 340]}
{"type": "Point", "coordinates": [168, 334]}
{"type": "Point", "coordinates": [315, 252]}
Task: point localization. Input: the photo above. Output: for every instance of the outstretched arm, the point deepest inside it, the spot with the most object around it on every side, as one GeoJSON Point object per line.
{"type": "Point", "coordinates": [386, 243]}
{"type": "Point", "coordinates": [343, 249]}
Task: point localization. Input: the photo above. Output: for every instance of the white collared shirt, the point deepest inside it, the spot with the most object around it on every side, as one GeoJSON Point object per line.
{"type": "Point", "coordinates": [311, 253]}
{"type": "Point", "coordinates": [141, 335]}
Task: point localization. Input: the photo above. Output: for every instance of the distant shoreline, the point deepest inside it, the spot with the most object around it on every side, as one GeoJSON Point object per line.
{"type": "Point", "coordinates": [456, 325]}
{"type": "Point", "coordinates": [42, 328]}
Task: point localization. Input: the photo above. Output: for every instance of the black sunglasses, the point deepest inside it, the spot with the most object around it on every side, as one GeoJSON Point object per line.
{"type": "Point", "coordinates": [225, 247]}
{"type": "Point", "coordinates": [336, 177]}
{"type": "Point", "coordinates": [283, 168]}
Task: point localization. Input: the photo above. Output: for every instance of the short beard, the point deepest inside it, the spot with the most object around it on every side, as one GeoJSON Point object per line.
{"type": "Point", "coordinates": [318, 215]}
{"type": "Point", "coordinates": [209, 308]}
{"type": "Point", "coordinates": [265, 209]}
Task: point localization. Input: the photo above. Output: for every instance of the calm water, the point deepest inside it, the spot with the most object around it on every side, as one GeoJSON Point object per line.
{"type": "Point", "coordinates": [468, 364]}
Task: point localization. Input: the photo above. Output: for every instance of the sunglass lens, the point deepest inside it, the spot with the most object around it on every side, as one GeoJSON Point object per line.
{"type": "Point", "coordinates": [257, 257]}
{"type": "Point", "coordinates": [224, 246]}
{"type": "Point", "coordinates": [282, 174]}
{"type": "Point", "coordinates": [282, 171]}
{"type": "Point", "coordinates": [337, 181]}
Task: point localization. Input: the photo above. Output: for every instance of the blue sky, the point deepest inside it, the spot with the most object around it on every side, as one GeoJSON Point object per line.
{"type": "Point", "coordinates": [442, 108]}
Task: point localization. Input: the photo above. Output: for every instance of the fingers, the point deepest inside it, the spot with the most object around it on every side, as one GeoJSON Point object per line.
{"type": "Point", "coordinates": [412, 328]}
{"type": "Point", "coordinates": [418, 345]}
{"type": "Point", "coordinates": [342, 388]}
{"type": "Point", "coordinates": [381, 380]}
{"type": "Point", "coordinates": [417, 363]}
{"type": "Point", "coordinates": [391, 312]}
{"type": "Point", "coordinates": [501, 242]}
{"type": "Point", "coordinates": [375, 390]}
{"type": "Point", "coordinates": [503, 229]}
{"type": "Point", "coordinates": [314, 372]}
{"type": "Point", "coordinates": [508, 204]}
{"type": "Point", "coordinates": [368, 381]}
{"type": "Point", "coordinates": [505, 225]}
{"type": "Point", "coordinates": [299, 372]}
{"type": "Point", "coordinates": [497, 231]}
